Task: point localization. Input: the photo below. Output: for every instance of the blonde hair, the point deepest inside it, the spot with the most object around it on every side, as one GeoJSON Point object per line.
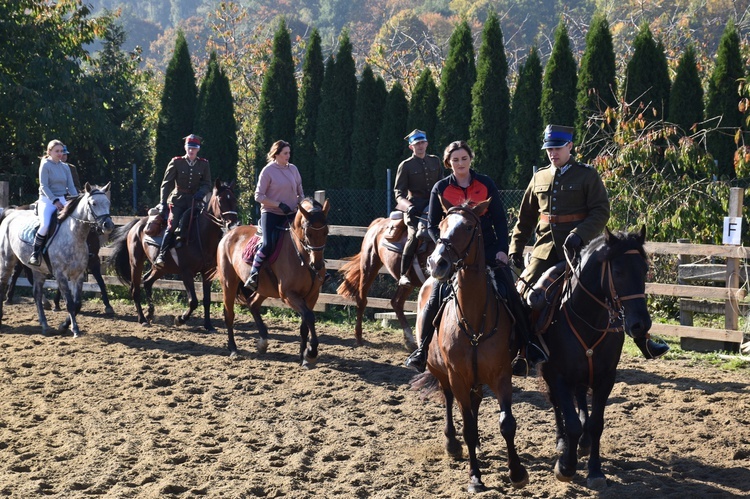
{"type": "Point", "coordinates": [276, 149]}
{"type": "Point", "coordinates": [52, 144]}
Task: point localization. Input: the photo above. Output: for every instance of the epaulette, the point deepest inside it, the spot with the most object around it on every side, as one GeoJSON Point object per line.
{"type": "Point", "coordinates": [202, 159]}
{"type": "Point", "coordinates": [177, 157]}
{"type": "Point", "coordinates": [545, 167]}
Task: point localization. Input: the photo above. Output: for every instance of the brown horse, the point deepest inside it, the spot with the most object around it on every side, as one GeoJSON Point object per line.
{"type": "Point", "coordinates": [472, 346]}
{"type": "Point", "coordinates": [361, 270]}
{"type": "Point", "coordinates": [295, 276]}
{"type": "Point", "coordinates": [131, 249]}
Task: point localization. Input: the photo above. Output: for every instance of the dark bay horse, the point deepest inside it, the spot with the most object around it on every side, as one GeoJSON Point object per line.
{"type": "Point", "coordinates": [296, 276]}
{"type": "Point", "coordinates": [361, 270]}
{"type": "Point", "coordinates": [604, 296]}
{"type": "Point", "coordinates": [67, 253]}
{"type": "Point", "coordinates": [472, 345]}
{"type": "Point", "coordinates": [131, 248]}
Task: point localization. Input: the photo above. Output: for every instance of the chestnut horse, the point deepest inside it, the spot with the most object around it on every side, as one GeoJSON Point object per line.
{"type": "Point", "coordinates": [131, 248]}
{"type": "Point", "coordinates": [296, 275]}
{"type": "Point", "coordinates": [605, 296]}
{"type": "Point", "coordinates": [472, 343]}
{"type": "Point", "coordinates": [361, 270]}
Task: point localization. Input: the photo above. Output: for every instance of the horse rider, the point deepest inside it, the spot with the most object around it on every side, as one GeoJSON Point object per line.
{"type": "Point", "coordinates": [565, 205]}
{"type": "Point", "coordinates": [466, 185]}
{"type": "Point", "coordinates": [279, 191]}
{"type": "Point", "coordinates": [415, 178]}
{"type": "Point", "coordinates": [73, 169]}
{"type": "Point", "coordinates": [186, 182]}
{"type": "Point", "coordinates": [55, 183]}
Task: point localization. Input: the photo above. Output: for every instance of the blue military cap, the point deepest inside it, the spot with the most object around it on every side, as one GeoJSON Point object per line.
{"type": "Point", "coordinates": [65, 149]}
{"type": "Point", "coordinates": [557, 136]}
{"type": "Point", "coordinates": [416, 136]}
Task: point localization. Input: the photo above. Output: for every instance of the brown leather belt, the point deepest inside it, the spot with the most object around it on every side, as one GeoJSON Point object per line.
{"type": "Point", "coordinates": [184, 191]}
{"type": "Point", "coordinates": [561, 219]}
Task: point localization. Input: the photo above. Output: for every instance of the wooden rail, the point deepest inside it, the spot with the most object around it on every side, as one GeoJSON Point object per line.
{"type": "Point", "coordinates": [676, 290]}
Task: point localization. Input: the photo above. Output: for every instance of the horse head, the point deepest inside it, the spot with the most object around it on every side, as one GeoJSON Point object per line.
{"type": "Point", "coordinates": [223, 205]}
{"type": "Point", "coordinates": [457, 247]}
{"type": "Point", "coordinates": [95, 206]}
{"type": "Point", "coordinates": [622, 266]}
{"type": "Point", "coordinates": [311, 229]}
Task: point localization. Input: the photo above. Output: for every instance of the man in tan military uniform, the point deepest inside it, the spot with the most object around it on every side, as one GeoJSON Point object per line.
{"type": "Point", "coordinates": [73, 169]}
{"type": "Point", "coordinates": [566, 206]}
{"type": "Point", "coordinates": [187, 180]}
{"type": "Point", "coordinates": [414, 180]}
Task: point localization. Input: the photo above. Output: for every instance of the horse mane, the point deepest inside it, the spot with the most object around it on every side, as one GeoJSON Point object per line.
{"type": "Point", "coordinates": [602, 248]}
{"type": "Point", "coordinates": [70, 207]}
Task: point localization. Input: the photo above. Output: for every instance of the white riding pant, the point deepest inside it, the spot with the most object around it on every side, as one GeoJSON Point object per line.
{"type": "Point", "coordinates": [45, 208]}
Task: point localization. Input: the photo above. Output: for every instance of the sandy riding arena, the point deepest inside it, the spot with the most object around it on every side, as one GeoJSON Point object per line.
{"type": "Point", "coordinates": [162, 411]}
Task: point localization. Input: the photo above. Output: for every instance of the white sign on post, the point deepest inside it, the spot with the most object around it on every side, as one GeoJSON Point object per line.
{"type": "Point", "coordinates": [733, 230]}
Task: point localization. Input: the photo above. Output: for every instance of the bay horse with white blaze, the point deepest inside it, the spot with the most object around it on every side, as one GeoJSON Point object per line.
{"type": "Point", "coordinates": [361, 270]}
{"type": "Point", "coordinates": [67, 253]}
{"type": "Point", "coordinates": [131, 248]}
{"type": "Point", "coordinates": [602, 297]}
{"type": "Point", "coordinates": [295, 276]}
{"type": "Point", "coordinates": [472, 346]}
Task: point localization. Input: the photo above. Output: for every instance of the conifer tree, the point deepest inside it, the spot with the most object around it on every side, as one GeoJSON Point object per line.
{"type": "Point", "coordinates": [491, 104]}
{"type": "Point", "coordinates": [647, 78]}
{"type": "Point", "coordinates": [391, 146]}
{"type": "Point", "coordinates": [686, 96]}
{"type": "Point", "coordinates": [368, 119]}
{"type": "Point", "coordinates": [526, 126]}
{"type": "Point", "coordinates": [558, 104]}
{"type": "Point", "coordinates": [333, 147]}
{"type": "Point", "coordinates": [326, 122]}
{"type": "Point", "coordinates": [277, 108]}
{"type": "Point", "coordinates": [459, 75]}
{"type": "Point", "coordinates": [723, 101]}
{"type": "Point", "coordinates": [596, 89]}
{"type": "Point", "coordinates": [216, 124]}
{"type": "Point", "coordinates": [303, 153]}
{"type": "Point", "coordinates": [423, 109]}
{"type": "Point", "coordinates": [177, 113]}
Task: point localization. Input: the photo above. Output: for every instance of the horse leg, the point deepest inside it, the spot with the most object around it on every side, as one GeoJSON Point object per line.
{"type": "Point", "coordinates": [596, 479]}
{"type": "Point", "coordinates": [397, 303]}
{"type": "Point", "coordinates": [565, 468]}
{"type": "Point", "coordinates": [137, 259]}
{"type": "Point", "coordinates": [469, 406]}
{"type": "Point", "coordinates": [189, 283]}
{"type": "Point", "coordinates": [519, 477]}
{"type": "Point", "coordinates": [70, 306]}
{"type": "Point", "coordinates": [262, 344]}
{"type": "Point", "coordinates": [56, 300]}
{"type": "Point", "coordinates": [96, 271]}
{"type": "Point", "coordinates": [452, 445]}
{"type": "Point", "coordinates": [308, 351]}
{"type": "Point", "coordinates": [19, 267]}
{"type": "Point", "coordinates": [370, 264]}
{"type": "Point", "coordinates": [584, 445]}
{"type": "Point", "coordinates": [207, 304]}
{"type": "Point", "coordinates": [38, 297]}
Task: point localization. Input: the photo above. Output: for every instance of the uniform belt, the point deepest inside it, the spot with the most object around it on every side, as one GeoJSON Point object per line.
{"type": "Point", "coordinates": [184, 191]}
{"type": "Point", "coordinates": [561, 219]}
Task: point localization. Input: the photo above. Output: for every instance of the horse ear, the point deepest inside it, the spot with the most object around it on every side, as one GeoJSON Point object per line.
{"type": "Point", "coordinates": [106, 187]}
{"type": "Point", "coordinates": [642, 234]}
{"type": "Point", "coordinates": [445, 203]}
{"type": "Point", "coordinates": [303, 210]}
{"type": "Point", "coordinates": [87, 187]}
{"type": "Point", "coordinates": [326, 207]}
{"type": "Point", "coordinates": [481, 208]}
{"type": "Point", "coordinates": [608, 234]}
{"type": "Point", "coordinates": [217, 184]}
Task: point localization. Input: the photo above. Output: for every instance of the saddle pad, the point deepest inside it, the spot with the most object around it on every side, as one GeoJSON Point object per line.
{"type": "Point", "coordinates": [28, 231]}
{"type": "Point", "coordinates": [153, 240]}
{"type": "Point", "coordinates": [248, 254]}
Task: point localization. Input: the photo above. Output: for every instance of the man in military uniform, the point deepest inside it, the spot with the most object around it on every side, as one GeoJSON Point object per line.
{"type": "Point", "coordinates": [414, 180]}
{"type": "Point", "coordinates": [186, 181]}
{"type": "Point", "coordinates": [566, 206]}
{"type": "Point", "coordinates": [73, 169]}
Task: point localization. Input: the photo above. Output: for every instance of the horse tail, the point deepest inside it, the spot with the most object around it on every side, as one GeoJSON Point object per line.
{"type": "Point", "coordinates": [349, 287]}
{"type": "Point", "coordinates": [119, 259]}
{"type": "Point", "coordinates": [428, 387]}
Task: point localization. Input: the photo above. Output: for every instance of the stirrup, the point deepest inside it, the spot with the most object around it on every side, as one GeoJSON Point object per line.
{"type": "Point", "coordinates": [416, 361]}
{"type": "Point", "coordinates": [159, 262]}
{"type": "Point", "coordinates": [34, 260]}
{"type": "Point", "coordinates": [252, 281]}
{"type": "Point", "coordinates": [520, 366]}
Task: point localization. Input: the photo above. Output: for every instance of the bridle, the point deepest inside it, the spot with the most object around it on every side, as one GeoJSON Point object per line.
{"type": "Point", "coordinates": [99, 220]}
{"type": "Point", "coordinates": [455, 257]}
{"type": "Point", "coordinates": [221, 220]}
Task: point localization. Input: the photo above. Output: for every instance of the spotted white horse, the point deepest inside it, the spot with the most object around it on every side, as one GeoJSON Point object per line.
{"type": "Point", "coordinates": [66, 254]}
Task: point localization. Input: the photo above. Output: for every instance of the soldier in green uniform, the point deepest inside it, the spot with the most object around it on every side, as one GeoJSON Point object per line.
{"type": "Point", "coordinates": [565, 205]}
{"type": "Point", "coordinates": [187, 180]}
{"type": "Point", "coordinates": [73, 169]}
{"type": "Point", "coordinates": [414, 180]}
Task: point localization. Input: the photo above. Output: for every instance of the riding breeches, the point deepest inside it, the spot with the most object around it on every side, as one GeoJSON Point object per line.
{"type": "Point", "coordinates": [270, 225]}
{"type": "Point", "coordinates": [45, 208]}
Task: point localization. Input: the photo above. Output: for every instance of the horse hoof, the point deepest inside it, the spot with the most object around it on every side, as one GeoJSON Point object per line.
{"type": "Point", "coordinates": [56, 309]}
{"type": "Point", "coordinates": [178, 321]}
{"type": "Point", "coordinates": [108, 310]}
{"type": "Point", "coordinates": [596, 483]}
{"type": "Point", "coordinates": [476, 485]}
{"type": "Point", "coordinates": [560, 475]}
{"type": "Point", "coordinates": [523, 482]}
{"type": "Point", "coordinates": [46, 306]}
{"type": "Point", "coordinates": [410, 345]}
{"type": "Point", "coordinates": [454, 448]}
{"type": "Point", "coordinates": [261, 345]}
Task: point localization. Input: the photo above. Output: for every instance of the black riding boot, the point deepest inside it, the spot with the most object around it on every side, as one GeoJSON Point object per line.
{"type": "Point", "coordinates": [36, 256]}
{"type": "Point", "coordinates": [166, 243]}
{"type": "Point", "coordinates": [406, 261]}
{"type": "Point", "coordinates": [252, 281]}
{"type": "Point", "coordinates": [650, 349]}
{"type": "Point", "coordinates": [418, 359]}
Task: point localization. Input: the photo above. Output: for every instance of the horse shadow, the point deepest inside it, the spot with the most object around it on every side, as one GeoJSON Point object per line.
{"type": "Point", "coordinates": [185, 347]}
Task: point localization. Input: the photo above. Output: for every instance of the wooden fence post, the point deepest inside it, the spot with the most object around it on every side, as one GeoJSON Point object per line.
{"type": "Point", "coordinates": [686, 316]}
{"type": "Point", "coordinates": [320, 196]}
{"type": "Point", "coordinates": [4, 193]}
{"type": "Point", "coordinates": [731, 321]}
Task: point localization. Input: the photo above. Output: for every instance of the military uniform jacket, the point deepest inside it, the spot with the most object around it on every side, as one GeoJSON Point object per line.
{"type": "Point", "coordinates": [578, 191]}
{"type": "Point", "coordinates": [415, 178]}
{"type": "Point", "coordinates": [182, 180]}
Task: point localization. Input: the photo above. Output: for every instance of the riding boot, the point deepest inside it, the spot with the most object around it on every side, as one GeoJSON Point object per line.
{"type": "Point", "coordinates": [252, 281]}
{"type": "Point", "coordinates": [418, 358]}
{"type": "Point", "coordinates": [166, 243]}
{"type": "Point", "coordinates": [406, 261]}
{"type": "Point", "coordinates": [650, 349]}
{"type": "Point", "coordinates": [36, 256]}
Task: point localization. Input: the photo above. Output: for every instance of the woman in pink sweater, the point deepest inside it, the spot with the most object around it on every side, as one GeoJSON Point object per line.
{"type": "Point", "coordinates": [279, 191]}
